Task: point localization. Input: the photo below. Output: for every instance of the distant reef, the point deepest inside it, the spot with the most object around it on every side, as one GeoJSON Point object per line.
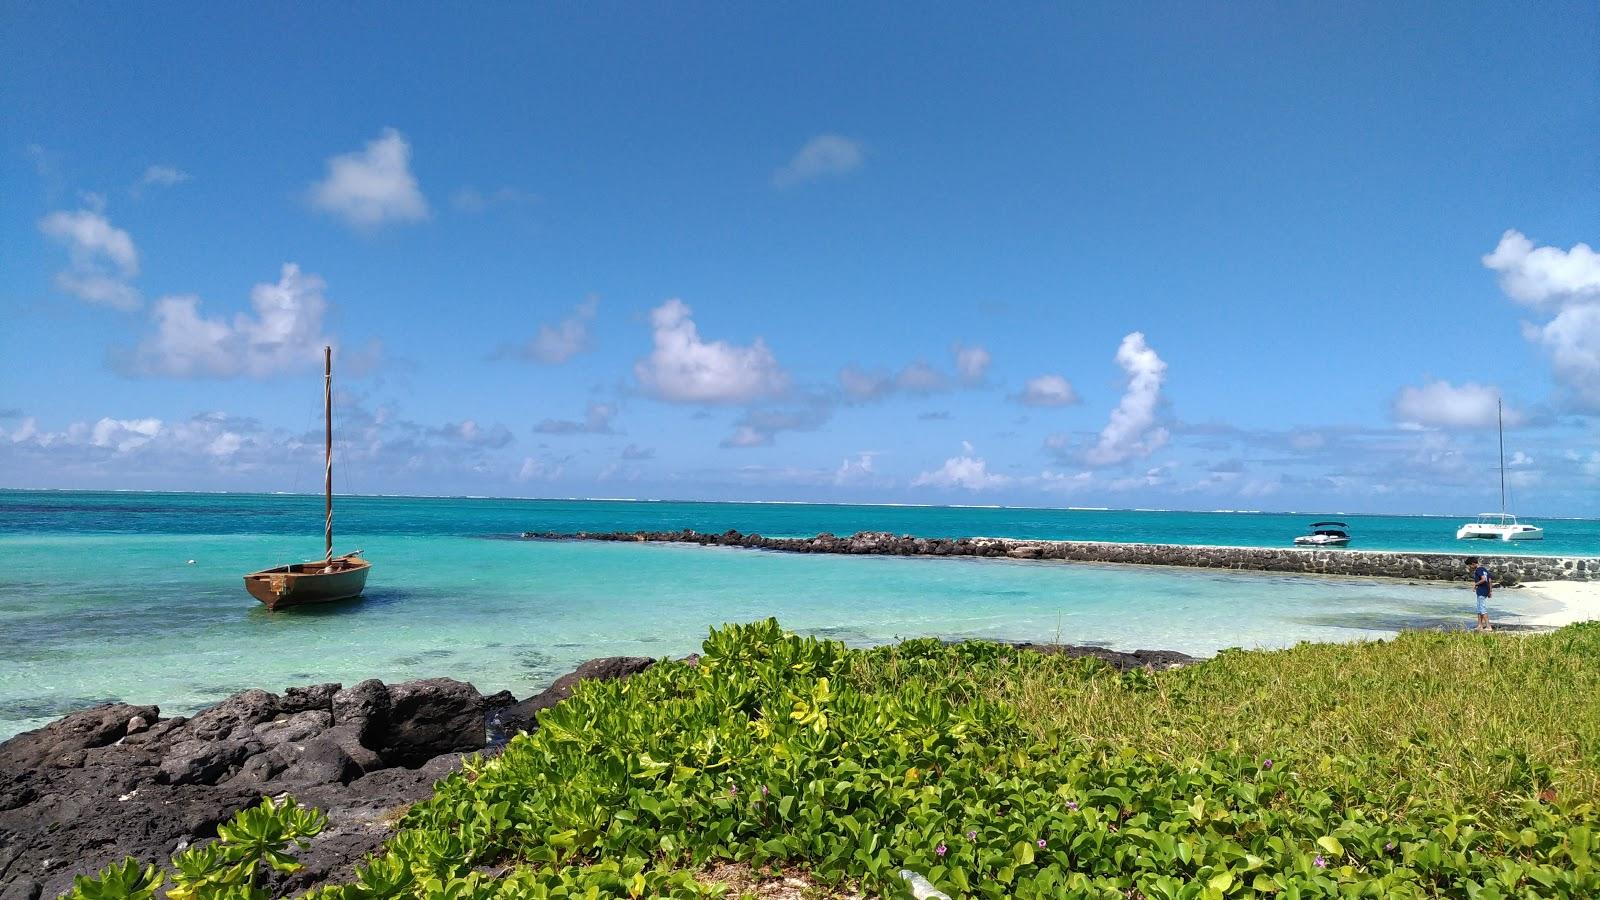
{"type": "Point", "coordinates": [1508, 570]}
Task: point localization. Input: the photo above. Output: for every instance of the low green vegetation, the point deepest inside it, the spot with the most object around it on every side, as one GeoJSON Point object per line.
{"type": "Point", "coordinates": [1432, 765]}
{"type": "Point", "coordinates": [254, 842]}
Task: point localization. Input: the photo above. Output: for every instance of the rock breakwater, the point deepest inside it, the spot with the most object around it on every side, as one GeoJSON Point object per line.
{"type": "Point", "coordinates": [1508, 569]}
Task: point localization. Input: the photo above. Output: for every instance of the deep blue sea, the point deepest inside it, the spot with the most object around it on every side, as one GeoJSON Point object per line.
{"type": "Point", "coordinates": [99, 599]}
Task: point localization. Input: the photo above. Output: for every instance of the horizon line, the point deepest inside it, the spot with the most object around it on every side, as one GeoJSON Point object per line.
{"type": "Point", "coordinates": [884, 505]}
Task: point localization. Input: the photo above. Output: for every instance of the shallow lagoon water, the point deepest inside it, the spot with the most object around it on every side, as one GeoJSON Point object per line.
{"type": "Point", "coordinates": [98, 601]}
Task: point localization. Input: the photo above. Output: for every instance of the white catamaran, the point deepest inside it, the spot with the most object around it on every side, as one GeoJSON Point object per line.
{"type": "Point", "coordinates": [1500, 526]}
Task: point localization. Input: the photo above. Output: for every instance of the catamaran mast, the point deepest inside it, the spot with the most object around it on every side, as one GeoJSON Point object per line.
{"type": "Point", "coordinates": [327, 477]}
{"type": "Point", "coordinates": [1500, 420]}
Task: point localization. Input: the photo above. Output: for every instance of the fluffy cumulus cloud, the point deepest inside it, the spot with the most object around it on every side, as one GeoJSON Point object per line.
{"type": "Point", "coordinates": [683, 368]}
{"type": "Point", "coordinates": [855, 470]}
{"type": "Point", "coordinates": [1048, 390]}
{"type": "Point", "coordinates": [1133, 431]}
{"type": "Point", "coordinates": [469, 432]}
{"type": "Point", "coordinates": [561, 341]}
{"type": "Point", "coordinates": [206, 438]}
{"type": "Point", "coordinates": [972, 363]}
{"type": "Point", "coordinates": [824, 156]}
{"type": "Point", "coordinates": [1440, 404]}
{"type": "Point", "coordinates": [284, 334]}
{"type": "Point", "coordinates": [596, 420]}
{"type": "Point", "coordinates": [967, 471]}
{"type": "Point", "coordinates": [103, 260]}
{"type": "Point", "coordinates": [373, 186]}
{"type": "Point", "coordinates": [1564, 284]}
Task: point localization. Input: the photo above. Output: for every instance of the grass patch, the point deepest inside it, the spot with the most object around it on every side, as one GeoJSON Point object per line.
{"type": "Point", "coordinates": [1458, 718]}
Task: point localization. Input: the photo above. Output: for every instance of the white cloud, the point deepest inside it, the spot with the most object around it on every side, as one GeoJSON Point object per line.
{"type": "Point", "coordinates": [823, 156]}
{"type": "Point", "coordinates": [539, 470]}
{"type": "Point", "coordinates": [1132, 431]}
{"type": "Point", "coordinates": [972, 363]}
{"type": "Point", "coordinates": [560, 342]}
{"type": "Point", "coordinates": [103, 258]}
{"type": "Point", "coordinates": [964, 471]}
{"type": "Point", "coordinates": [864, 385]}
{"type": "Point", "coordinates": [1566, 283]}
{"type": "Point", "coordinates": [920, 378]}
{"type": "Point", "coordinates": [596, 420]}
{"type": "Point", "coordinates": [853, 471]}
{"type": "Point", "coordinates": [284, 334]}
{"type": "Point", "coordinates": [1572, 339]}
{"type": "Point", "coordinates": [916, 378]}
{"type": "Point", "coordinates": [1048, 390]}
{"type": "Point", "coordinates": [374, 186]}
{"type": "Point", "coordinates": [123, 435]}
{"type": "Point", "coordinates": [759, 427]}
{"type": "Point", "coordinates": [1539, 276]}
{"type": "Point", "coordinates": [1440, 404]}
{"type": "Point", "coordinates": [163, 176]}
{"type": "Point", "coordinates": [685, 369]}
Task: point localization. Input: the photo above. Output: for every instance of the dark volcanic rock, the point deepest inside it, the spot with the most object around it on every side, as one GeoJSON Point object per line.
{"type": "Point", "coordinates": [524, 716]}
{"type": "Point", "coordinates": [365, 707]}
{"type": "Point", "coordinates": [117, 780]}
{"type": "Point", "coordinates": [431, 718]}
{"type": "Point", "coordinates": [1122, 662]}
{"type": "Point", "coordinates": [93, 727]}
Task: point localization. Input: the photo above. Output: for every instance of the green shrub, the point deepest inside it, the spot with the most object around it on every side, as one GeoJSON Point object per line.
{"type": "Point", "coordinates": [228, 868]}
{"type": "Point", "coordinates": [778, 748]}
{"type": "Point", "coordinates": [1316, 772]}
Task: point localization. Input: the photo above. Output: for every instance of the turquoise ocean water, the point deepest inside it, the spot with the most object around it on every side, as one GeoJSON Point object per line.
{"type": "Point", "coordinates": [98, 600]}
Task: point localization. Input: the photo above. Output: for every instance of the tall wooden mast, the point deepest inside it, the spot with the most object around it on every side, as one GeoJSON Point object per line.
{"type": "Point", "coordinates": [327, 476]}
{"type": "Point", "coordinates": [1500, 422]}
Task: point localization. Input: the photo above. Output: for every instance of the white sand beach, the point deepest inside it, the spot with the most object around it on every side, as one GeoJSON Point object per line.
{"type": "Point", "coordinates": [1575, 601]}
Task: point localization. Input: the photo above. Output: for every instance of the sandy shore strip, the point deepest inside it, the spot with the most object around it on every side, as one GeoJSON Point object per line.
{"type": "Point", "coordinates": [1576, 601]}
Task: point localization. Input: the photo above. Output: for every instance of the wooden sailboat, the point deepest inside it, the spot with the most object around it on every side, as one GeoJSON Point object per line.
{"type": "Point", "coordinates": [331, 578]}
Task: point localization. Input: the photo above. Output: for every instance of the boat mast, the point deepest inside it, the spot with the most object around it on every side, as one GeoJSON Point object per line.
{"type": "Point", "coordinates": [327, 420]}
{"type": "Point", "coordinates": [1500, 420]}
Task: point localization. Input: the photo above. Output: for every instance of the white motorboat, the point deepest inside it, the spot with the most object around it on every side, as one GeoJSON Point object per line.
{"type": "Point", "coordinates": [1500, 526]}
{"type": "Point", "coordinates": [1325, 534]}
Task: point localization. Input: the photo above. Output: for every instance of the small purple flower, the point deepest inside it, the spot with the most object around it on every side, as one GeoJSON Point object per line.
{"type": "Point", "coordinates": [972, 835]}
{"type": "Point", "coordinates": [1267, 764]}
{"type": "Point", "coordinates": [1041, 843]}
{"type": "Point", "coordinates": [764, 790]}
{"type": "Point", "coordinates": [941, 850]}
{"type": "Point", "coordinates": [1319, 862]}
{"type": "Point", "coordinates": [1389, 846]}
{"type": "Point", "coordinates": [733, 790]}
{"type": "Point", "coordinates": [1072, 805]}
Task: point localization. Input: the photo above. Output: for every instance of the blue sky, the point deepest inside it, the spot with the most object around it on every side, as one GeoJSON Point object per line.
{"type": "Point", "coordinates": [1190, 256]}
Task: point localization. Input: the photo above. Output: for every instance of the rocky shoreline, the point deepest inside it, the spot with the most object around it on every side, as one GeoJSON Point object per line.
{"type": "Point", "coordinates": [119, 780]}
{"type": "Point", "coordinates": [1509, 570]}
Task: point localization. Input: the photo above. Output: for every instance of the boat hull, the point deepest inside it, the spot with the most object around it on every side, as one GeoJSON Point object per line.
{"type": "Point", "coordinates": [1495, 533]}
{"type": "Point", "coordinates": [306, 583]}
{"type": "Point", "coordinates": [1321, 542]}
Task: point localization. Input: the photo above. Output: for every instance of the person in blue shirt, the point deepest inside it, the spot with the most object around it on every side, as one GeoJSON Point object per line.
{"type": "Point", "coordinates": [1483, 586]}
